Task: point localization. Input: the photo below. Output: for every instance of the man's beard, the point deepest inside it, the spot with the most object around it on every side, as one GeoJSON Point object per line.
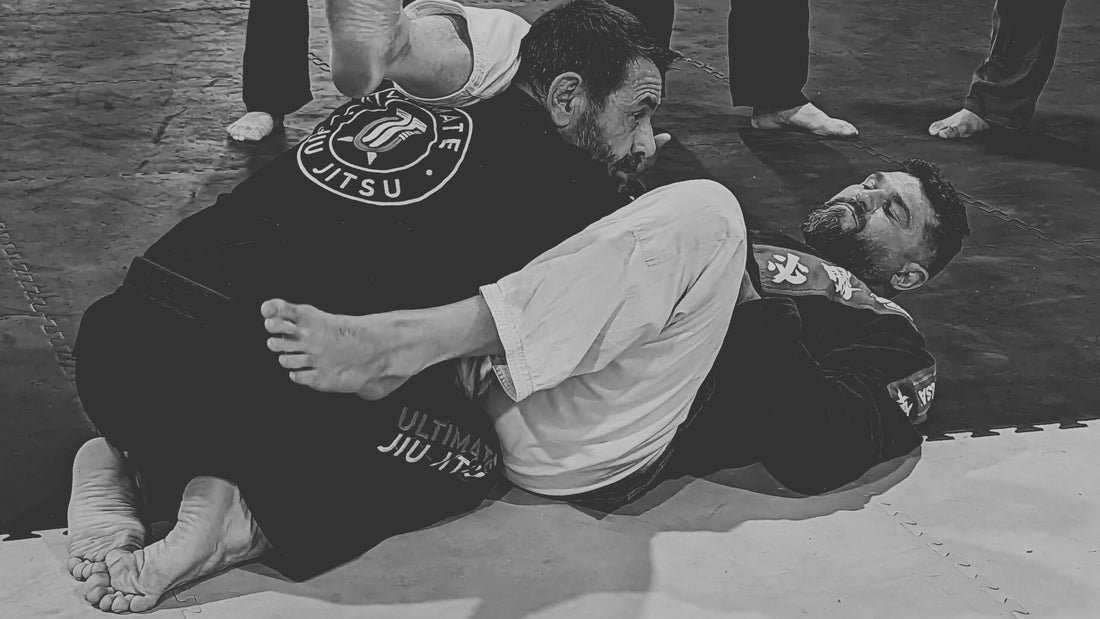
{"type": "Point", "coordinates": [861, 255]}
{"type": "Point", "coordinates": [588, 137]}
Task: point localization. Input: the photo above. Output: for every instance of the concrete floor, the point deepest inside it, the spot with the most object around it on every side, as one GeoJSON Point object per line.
{"type": "Point", "coordinates": [112, 116]}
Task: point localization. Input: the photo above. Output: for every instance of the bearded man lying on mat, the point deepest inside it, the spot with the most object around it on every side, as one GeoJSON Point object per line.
{"type": "Point", "coordinates": [419, 451]}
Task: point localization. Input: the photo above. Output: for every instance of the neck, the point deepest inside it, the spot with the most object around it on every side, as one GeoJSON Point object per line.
{"type": "Point", "coordinates": [530, 91]}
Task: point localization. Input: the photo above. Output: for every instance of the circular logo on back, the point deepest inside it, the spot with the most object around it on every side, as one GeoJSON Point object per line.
{"type": "Point", "coordinates": [386, 150]}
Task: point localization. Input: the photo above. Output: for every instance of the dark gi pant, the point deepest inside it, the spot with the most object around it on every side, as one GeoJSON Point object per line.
{"type": "Point", "coordinates": [1009, 81]}
{"type": "Point", "coordinates": [180, 379]}
{"type": "Point", "coordinates": [769, 53]}
{"type": "Point", "coordinates": [656, 15]}
{"type": "Point", "coordinates": [276, 57]}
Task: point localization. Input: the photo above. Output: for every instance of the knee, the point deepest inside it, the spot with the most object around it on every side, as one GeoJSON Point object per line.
{"type": "Point", "coordinates": [707, 207]}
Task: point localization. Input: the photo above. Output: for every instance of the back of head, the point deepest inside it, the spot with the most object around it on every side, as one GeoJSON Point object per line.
{"type": "Point", "coordinates": [592, 38]}
{"type": "Point", "coordinates": [945, 238]}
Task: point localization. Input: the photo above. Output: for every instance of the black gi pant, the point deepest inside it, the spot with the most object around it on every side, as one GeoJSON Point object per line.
{"type": "Point", "coordinates": [656, 15]}
{"type": "Point", "coordinates": [192, 390]}
{"type": "Point", "coordinates": [769, 53]}
{"type": "Point", "coordinates": [276, 61]}
{"type": "Point", "coordinates": [1009, 81]}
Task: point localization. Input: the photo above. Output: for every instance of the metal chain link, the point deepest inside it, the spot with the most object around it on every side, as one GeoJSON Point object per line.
{"type": "Point", "coordinates": [704, 67]}
{"type": "Point", "coordinates": [317, 60]}
{"type": "Point", "coordinates": [36, 297]}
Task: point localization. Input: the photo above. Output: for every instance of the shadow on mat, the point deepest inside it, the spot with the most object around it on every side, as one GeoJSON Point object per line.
{"type": "Point", "coordinates": [483, 564]}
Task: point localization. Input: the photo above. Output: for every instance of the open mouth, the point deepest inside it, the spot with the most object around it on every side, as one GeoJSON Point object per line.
{"type": "Point", "coordinates": [854, 210]}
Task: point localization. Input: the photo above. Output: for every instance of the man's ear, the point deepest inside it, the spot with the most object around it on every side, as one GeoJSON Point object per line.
{"type": "Point", "coordinates": [909, 277]}
{"type": "Point", "coordinates": [565, 98]}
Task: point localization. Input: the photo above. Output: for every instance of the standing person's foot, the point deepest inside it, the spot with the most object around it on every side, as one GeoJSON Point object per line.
{"type": "Point", "coordinates": [254, 126]}
{"type": "Point", "coordinates": [214, 531]}
{"type": "Point", "coordinates": [807, 118]}
{"type": "Point", "coordinates": [102, 513]}
{"type": "Point", "coordinates": [961, 124]}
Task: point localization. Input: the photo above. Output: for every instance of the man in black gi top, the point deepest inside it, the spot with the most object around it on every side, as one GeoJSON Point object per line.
{"type": "Point", "coordinates": [390, 203]}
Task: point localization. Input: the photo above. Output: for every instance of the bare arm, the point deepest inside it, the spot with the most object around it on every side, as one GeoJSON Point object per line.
{"type": "Point", "coordinates": [375, 39]}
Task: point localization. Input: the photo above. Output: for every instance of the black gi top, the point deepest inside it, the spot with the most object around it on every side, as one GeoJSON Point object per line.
{"type": "Point", "coordinates": [391, 204]}
{"type": "Point", "coordinates": [819, 380]}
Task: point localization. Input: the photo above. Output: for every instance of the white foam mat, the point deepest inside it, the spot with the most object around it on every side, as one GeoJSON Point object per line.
{"type": "Point", "coordinates": [1005, 526]}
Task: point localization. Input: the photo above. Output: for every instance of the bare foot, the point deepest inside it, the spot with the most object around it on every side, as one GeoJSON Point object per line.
{"type": "Point", "coordinates": [961, 124]}
{"type": "Point", "coordinates": [214, 531]}
{"type": "Point", "coordinates": [102, 512]}
{"type": "Point", "coordinates": [805, 118]}
{"type": "Point", "coordinates": [253, 127]}
{"type": "Point", "coordinates": [345, 354]}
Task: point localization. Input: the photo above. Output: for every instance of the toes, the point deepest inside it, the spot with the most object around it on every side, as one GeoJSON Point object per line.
{"type": "Point", "coordinates": [847, 129]}
{"type": "Point", "coordinates": [142, 603]}
{"type": "Point", "coordinates": [305, 377]}
{"type": "Point", "coordinates": [270, 308]}
{"type": "Point", "coordinates": [80, 569]}
{"type": "Point", "coordinates": [935, 128]}
{"type": "Point", "coordinates": [76, 567]}
{"type": "Point", "coordinates": [949, 133]}
{"type": "Point", "coordinates": [108, 600]}
{"type": "Point", "coordinates": [121, 603]}
{"type": "Point", "coordinates": [278, 308]}
{"type": "Point", "coordinates": [282, 344]}
{"type": "Point", "coordinates": [96, 587]}
{"type": "Point", "coordinates": [281, 326]}
{"type": "Point", "coordinates": [295, 361]}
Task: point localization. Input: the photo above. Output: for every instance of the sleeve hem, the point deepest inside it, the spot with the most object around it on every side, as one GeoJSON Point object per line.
{"type": "Point", "coordinates": [514, 376]}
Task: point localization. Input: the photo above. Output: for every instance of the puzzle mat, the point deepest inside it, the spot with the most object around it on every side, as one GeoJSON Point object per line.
{"type": "Point", "coordinates": [977, 527]}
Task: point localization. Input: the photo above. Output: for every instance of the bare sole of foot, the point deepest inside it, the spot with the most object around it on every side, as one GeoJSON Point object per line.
{"type": "Point", "coordinates": [214, 531]}
{"type": "Point", "coordinates": [330, 352]}
{"type": "Point", "coordinates": [961, 124]}
{"type": "Point", "coordinates": [806, 118]}
{"type": "Point", "coordinates": [103, 514]}
{"type": "Point", "coordinates": [253, 127]}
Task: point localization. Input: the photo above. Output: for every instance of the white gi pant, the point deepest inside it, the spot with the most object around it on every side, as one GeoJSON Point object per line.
{"type": "Point", "coordinates": [608, 337]}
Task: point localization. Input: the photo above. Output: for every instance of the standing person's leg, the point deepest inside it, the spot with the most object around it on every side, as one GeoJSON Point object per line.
{"type": "Point", "coordinates": [276, 67]}
{"type": "Point", "coordinates": [656, 15]}
{"type": "Point", "coordinates": [1007, 85]}
{"type": "Point", "coordinates": [769, 55]}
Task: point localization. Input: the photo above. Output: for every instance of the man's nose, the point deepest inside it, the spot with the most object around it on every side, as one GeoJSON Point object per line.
{"type": "Point", "coordinates": [872, 200]}
{"type": "Point", "coordinates": [643, 140]}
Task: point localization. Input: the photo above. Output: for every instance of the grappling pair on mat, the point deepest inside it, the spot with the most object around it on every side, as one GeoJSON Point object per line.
{"type": "Point", "coordinates": [582, 360]}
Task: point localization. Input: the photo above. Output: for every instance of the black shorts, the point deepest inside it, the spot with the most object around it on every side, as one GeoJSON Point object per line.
{"type": "Point", "coordinates": [181, 379]}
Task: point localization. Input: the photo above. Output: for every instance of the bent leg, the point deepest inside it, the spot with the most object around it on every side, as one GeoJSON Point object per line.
{"type": "Point", "coordinates": [275, 76]}
{"type": "Point", "coordinates": [609, 335]}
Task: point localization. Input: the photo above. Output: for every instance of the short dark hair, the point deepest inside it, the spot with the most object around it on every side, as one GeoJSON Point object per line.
{"type": "Point", "coordinates": [596, 40]}
{"type": "Point", "coordinates": [951, 227]}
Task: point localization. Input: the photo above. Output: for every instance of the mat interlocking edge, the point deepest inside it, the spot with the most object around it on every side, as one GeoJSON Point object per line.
{"type": "Point", "coordinates": [955, 531]}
